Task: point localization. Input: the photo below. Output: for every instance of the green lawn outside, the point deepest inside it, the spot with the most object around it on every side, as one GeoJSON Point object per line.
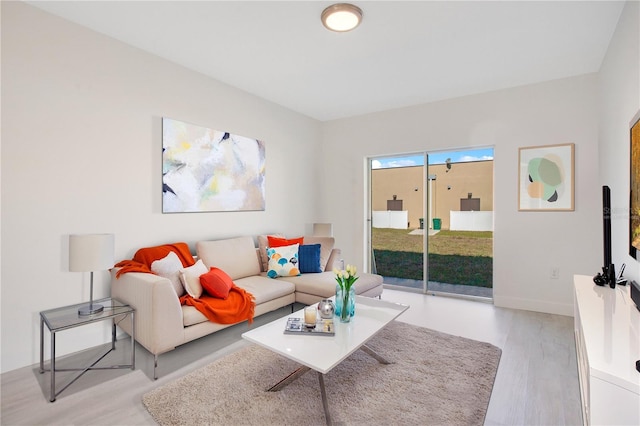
{"type": "Point", "coordinates": [455, 257]}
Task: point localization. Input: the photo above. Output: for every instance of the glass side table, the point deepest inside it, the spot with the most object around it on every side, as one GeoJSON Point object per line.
{"type": "Point", "coordinates": [67, 317]}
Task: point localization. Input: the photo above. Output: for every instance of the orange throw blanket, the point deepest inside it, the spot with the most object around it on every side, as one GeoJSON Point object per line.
{"type": "Point", "coordinates": [238, 307]}
{"type": "Point", "coordinates": [144, 257]}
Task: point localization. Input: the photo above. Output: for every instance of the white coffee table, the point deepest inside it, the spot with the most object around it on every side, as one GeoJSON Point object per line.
{"type": "Point", "coordinates": [323, 353]}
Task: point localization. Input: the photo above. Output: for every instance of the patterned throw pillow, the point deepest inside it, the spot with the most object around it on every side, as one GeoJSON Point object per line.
{"type": "Point", "coordinates": [309, 256]}
{"type": "Point", "coordinates": [283, 261]}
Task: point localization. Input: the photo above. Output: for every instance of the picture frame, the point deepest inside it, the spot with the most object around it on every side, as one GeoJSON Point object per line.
{"type": "Point", "coordinates": [208, 170]}
{"type": "Point", "coordinates": [546, 178]}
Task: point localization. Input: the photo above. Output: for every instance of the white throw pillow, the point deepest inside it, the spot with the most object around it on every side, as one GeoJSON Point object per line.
{"type": "Point", "coordinates": [169, 267]}
{"type": "Point", "coordinates": [190, 278]}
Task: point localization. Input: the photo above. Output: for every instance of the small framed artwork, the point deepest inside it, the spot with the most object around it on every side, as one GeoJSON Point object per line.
{"type": "Point", "coordinates": [546, 178]}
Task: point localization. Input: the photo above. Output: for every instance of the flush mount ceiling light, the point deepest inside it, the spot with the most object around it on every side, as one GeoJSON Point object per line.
{"type": "Point", "coordinates": [341, 17]}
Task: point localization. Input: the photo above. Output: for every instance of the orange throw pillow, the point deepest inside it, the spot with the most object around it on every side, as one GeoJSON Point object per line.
{"type": "Point", "coordinates": [281, 242]}
{"type": "Point", "coordinates": [217, 283]}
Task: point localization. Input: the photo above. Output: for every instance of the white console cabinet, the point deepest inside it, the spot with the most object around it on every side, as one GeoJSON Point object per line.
{"type": "Point", "coordinates": [607, 331]}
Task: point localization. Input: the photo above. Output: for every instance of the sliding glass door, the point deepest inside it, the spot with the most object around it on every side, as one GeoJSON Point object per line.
{"type": "Point", "coordinates": [431, 221]}
{"type": "Point", "coordinates": [397, 220]}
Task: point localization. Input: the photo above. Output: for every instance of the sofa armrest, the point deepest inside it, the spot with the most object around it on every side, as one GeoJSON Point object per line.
{"type": "Point", "coordinates": [334, 260]}
{"type": "Point", "coordinates": [158, 317]}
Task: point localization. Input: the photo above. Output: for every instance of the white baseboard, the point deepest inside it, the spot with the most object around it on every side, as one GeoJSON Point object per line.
{"type": "Point", "coordinates": [533, 305]}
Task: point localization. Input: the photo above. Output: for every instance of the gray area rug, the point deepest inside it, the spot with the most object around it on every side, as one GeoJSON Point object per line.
{"type": "Point", "coordinates": [436, 379]}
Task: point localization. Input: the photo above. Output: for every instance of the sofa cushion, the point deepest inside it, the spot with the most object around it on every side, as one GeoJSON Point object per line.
{"type": "Point", "coordinates": [192, 316]}
{"type": "Point", "coordinates": [262, 288]}
{"type": "Point", "coordinates": [169, 267]}
{"type": "Point", "coordinates": [216, 283]}
{"type": "Point", "coordinates": [283, 261]}
{"type": "Point", "coordinates": [190, 278]}
{"type": "Point", "coordinates": [326, 245]}
{"type": "Point", "coordinates": [265, 289]}
{"type": "Point", "coordinates": [263, 243]}
{"type": "Point", "coordinates": [324, 284]}
{"type": "Point", "coordinates": [309, 258]}
{"type": "Point", "coordinates": [236, 256]}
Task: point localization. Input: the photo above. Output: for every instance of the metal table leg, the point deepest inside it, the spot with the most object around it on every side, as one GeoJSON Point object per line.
{"type": "Point", "coordinates": [113, 334]}
{"type": "Point", "coordinates": [303, 369]}
{"type": "Point", "coordinates": [41, 345]}
{"type": "Point", "coordinates": [52, 392]}
{"type": "Point", "coordinates": [294, 376]}
{"type": "Point", "coordinates": [375, 355]}
{"type": "Point", "coordinates": [290, 378]}
{"type": "Point", "coordinates": [133, 341]}
{"type": "Point", "coordinates": [325, 403]}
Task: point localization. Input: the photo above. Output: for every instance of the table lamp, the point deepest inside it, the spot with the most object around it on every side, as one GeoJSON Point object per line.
{"type": "Point", "coordinates": [88, 253]}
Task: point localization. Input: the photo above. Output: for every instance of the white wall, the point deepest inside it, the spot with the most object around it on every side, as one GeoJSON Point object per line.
{"type": "Point", "coordinates": [81, 153]}
{"type": "Point", "coordinates": [619, 101]}
{"type": "Point", "coordinates": [527, 245]}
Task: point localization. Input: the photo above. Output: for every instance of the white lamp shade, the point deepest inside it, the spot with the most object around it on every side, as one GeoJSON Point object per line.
{"type": "Point", "coordinates": [91, 252]}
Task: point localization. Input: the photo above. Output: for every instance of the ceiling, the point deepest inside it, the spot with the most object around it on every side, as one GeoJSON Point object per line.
{"type": "Point", "coordinates": [404, 52]}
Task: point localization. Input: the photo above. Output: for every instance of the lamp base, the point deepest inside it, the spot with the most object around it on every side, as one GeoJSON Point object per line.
{"type": "Point", "coordinates": [90, 309]}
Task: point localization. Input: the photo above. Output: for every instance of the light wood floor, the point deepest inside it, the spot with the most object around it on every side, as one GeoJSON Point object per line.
{"type": "Point", "coordinates": [536, 384]}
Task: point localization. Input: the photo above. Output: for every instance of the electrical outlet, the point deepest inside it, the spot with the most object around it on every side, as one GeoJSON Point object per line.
{"type": "Point", "coordinates": [555, 273]}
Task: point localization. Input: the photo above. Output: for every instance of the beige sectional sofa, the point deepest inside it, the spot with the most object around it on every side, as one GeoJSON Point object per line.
{"type": "Point", "coordinates": [162, 323]}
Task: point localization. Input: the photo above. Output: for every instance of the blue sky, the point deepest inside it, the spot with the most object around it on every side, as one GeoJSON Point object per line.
{"type": "Point", "coordinates": [434, 158]}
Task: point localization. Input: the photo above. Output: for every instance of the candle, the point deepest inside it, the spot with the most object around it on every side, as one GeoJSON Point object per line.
{"type": "Point", "coordinates": [310, 313]}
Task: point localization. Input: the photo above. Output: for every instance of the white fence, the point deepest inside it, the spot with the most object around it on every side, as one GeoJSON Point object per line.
{"type": "Point", "coordinates": [390, 219]}
{"type": "Point", "coordinates": [458, 221]}
{"type": "Point", "coordinates": [471, 221]}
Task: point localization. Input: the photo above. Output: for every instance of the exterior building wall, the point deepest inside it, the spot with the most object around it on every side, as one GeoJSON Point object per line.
{"type": "Point", "coordinates": [448, 187]}
{"type": "Point", "coordinates": [406, 183]}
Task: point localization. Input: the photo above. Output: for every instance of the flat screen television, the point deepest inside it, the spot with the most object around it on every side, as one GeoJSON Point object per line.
{"type": "Point", "coordinates": [634, 188]}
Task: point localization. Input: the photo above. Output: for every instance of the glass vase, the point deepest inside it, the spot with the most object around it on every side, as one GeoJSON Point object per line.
{"type": "Point", "coordinates": [345, 304]}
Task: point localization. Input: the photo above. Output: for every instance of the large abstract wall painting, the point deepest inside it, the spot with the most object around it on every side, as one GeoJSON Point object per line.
{"type": "Point", "coordinates": [546, 178]}
{"type": "Point", "coordinates": [206, 170]}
